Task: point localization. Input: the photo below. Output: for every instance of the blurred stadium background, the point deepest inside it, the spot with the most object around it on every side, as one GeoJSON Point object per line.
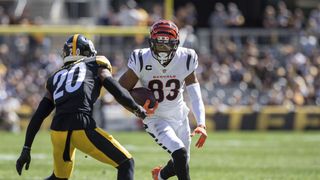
{"type": "Point", "coordinates": [259, 71]}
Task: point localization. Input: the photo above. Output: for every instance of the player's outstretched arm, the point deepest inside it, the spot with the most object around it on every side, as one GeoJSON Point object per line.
{"type": "Point", "coordinates": [44, 109]}
{"type": "Point", "coordinates": [193, 89]}
{"type": "Point", "coordinates": [120, 94]}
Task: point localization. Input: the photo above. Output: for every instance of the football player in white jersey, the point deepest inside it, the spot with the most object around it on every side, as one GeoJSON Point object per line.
{"type": "Point", "coordinates": [165, 69]}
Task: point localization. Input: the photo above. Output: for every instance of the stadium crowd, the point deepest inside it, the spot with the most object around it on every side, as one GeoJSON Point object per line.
{"type": "Point", "coordinates": [236, 70]}
{"type": "Point", "coordinates": [250, 73]}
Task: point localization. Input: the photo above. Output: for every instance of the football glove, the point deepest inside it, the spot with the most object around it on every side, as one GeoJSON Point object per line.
{"type": "Point", "coordinates": [24, 159]}
{"type": "Point", "coordinates": [201, 129]}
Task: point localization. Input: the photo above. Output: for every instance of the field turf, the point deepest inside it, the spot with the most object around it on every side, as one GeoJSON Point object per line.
{"type": "Point", "coordinates": [226, 155]}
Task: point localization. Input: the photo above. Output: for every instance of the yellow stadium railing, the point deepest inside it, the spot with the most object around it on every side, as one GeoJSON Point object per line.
{"type": "Point", "coordinates": [87, 30]}
{"type": "Point", "coordinates": [71, 29]}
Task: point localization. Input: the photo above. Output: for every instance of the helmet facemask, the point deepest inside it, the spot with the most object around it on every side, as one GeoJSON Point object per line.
{"type": "Point", "coordinates": [163, 49]}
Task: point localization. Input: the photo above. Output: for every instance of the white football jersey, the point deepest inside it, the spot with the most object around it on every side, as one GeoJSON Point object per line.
{"type": "Point", "coordinates": [167, 83]}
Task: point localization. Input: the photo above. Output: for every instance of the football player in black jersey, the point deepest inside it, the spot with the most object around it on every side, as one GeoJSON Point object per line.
{"type": "Point", "coordinates": [72, 90]}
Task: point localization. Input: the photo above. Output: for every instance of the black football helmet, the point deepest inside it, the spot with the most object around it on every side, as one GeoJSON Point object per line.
{"type": "Point", "coordinates": [164, 41]}
{"type": "Point", "coordinates": [77, 46]}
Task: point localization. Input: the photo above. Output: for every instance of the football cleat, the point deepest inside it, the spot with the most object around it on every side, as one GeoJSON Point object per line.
{"type": "Point", "coordinates": [156, 172]}
{"type": "Point", "coordinates": [164, 41]}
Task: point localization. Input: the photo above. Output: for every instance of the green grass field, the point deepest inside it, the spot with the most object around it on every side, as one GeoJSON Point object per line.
{"type": "Point", "coordinates": [235, 156]}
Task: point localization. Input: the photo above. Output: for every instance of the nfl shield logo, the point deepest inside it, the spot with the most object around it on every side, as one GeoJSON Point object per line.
{"type": "Point", "coordinates": [164, 70]}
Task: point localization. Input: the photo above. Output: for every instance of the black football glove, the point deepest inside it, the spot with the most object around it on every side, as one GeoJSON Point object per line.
{"type": "Point", "coordinates": [25, 158]}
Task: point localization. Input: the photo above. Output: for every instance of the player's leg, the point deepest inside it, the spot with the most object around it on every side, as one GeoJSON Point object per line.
{"type": "Point", "coordinates": [126, 170]}
{"type": "Point", "coordinates": [181, 166]}
{"type": "Point", "coordinates": [183, 132]}
{"type": "Point", "coordinates": [165, 135]}
{"type": "Point", "coordinates": [165, 172]}
{"type": "Point", "coordinates": [62, 167]}
{"type": "Point", "coordinates": [103, 147]}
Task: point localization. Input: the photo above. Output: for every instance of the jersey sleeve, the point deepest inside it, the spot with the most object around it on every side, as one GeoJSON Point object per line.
{"type": "Point", "coordinates": [134, 63]}
{"type": "Point", "coordinates": [102, 61]}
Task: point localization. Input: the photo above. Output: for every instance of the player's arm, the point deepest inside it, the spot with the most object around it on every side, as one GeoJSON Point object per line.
{"type": "Point", "coordinates": [119, 93]}
{"type": "Point", "coordinates": [194, 91]}
{"type": "Point", "coordinates": [45, 107]}
{"type": "Point", "coordinates": [129, 79]}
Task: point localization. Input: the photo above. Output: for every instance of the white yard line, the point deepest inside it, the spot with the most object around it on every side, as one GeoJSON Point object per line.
{"type": "Point", "coordinates": [155, 148]}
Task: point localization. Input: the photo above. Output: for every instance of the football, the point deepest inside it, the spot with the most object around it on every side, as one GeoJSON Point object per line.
{"type": "Point", "coordinates": [141, 94]}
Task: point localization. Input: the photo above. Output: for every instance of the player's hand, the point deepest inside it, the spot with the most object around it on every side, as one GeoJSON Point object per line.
{"type": "Point", "coordinates": [24, 159]}
{"type": "Point", "coordinates": [150, 111]}
{"type": "Point", "coordinates": [145, 111]}
{"type": "Point", "coordinates": [201, 129]}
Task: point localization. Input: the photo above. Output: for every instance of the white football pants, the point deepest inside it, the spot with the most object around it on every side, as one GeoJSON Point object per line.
{"type": "Point", "coordinates": [170, 135]}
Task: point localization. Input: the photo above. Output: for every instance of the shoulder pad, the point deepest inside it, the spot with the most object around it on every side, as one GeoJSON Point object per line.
{"type": "Point", "coordinates": [104, 62]}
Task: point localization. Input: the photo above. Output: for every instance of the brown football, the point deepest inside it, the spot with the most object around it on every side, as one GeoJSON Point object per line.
{"type": "Point", "coordinates": [141, 94]}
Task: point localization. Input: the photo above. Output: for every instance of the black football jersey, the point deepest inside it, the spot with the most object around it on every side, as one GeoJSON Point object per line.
{"type": "Point", "coordinates": [75, 88]}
